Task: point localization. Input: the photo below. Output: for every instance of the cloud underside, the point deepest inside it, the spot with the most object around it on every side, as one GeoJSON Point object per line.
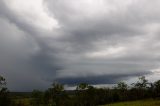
{"type": "Point", "coordinates": [94, 41]}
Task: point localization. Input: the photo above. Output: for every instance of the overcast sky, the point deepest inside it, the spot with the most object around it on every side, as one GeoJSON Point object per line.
{"type": "Point", "coordinates": [73, 41]}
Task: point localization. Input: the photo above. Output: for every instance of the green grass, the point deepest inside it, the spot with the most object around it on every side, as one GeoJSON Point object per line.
{"type": "Point", "coordinates": [24, 101]}
{"type": "Point", "coordinates": [149, 102]}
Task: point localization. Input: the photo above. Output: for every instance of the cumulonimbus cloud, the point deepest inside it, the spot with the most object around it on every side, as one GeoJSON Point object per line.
{"type": "Point", "coordinates": [72, 41]}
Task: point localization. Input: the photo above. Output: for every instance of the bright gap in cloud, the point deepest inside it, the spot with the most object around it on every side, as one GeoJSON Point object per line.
{"type": "Point", "coordinates": [33, 12]}
{"type": "Point", "coordinates": [156, 71]}
{"type": "Point", "coordinates": [96, 8]}
{"type": "Point", "coordinates": [106, 53]}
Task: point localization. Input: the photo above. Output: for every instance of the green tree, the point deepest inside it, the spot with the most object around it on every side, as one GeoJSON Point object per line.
{"type": "Point", "coordinates": [86, 95]}
{"type": "Point", "coordinates": [122, 90]}
{"type": "Point", "coordinates": [141, 83]}
{"type": "Point", "coordinates": [4, 96]}
{"type": "Point", "coordinates": [56, 94]}
{"type": "Point", "coordinates": [140, 88]}
{"type": "Point", "coordinates": [122, 86]}
{"type": "Point", "coordinates": [157, 88]}
{"type": "Point", "coordinates": [57, 87]}
{"type": "Point", "coordinates": [82, 86]}
{"type": "Point", "coordinates": [37, 98]}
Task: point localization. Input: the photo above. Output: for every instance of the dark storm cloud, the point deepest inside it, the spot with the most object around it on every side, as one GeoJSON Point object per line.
{"type": "Point", "coordinates": [26, 58]}
{"type": "Point", "coordinates": [77, 41]}
{"type": "Point", "coordinates": [102, 79]}
{"type": "Point", "coordinates": [82, 30]}
{"type": "Point", "coordinates": [127, 26]}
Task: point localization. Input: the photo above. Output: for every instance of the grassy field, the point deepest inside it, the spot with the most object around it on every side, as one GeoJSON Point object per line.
{"type": "Point", "coordinates": [23, 101]}
{"type": "Point", "coordinates": [149, 102]}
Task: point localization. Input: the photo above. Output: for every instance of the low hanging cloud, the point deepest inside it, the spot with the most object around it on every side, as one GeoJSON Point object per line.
{"type": "Point", "coordinates": [93, 41]}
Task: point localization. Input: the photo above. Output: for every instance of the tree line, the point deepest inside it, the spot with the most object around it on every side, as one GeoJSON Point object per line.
{"type": "Point", "coordinates": [85, 94]}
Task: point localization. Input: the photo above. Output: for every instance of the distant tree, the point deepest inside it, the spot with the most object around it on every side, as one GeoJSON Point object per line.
{"type": "Point", "coordinates": [82, 86]}
{"type": "Point", "coordinates": [57, 87]}
{"type": "Point", "coordinates": [56, 94]}
{"type": "Point", "coordinates": [2, 83]}
{"type": "Point", "coordinates": [157, 88]}
{"type": "Point", "coordinates": [4, 97]}
{"type": "Point", "coordinates": [115, 96]}
{"type": "Point", "coordinates": [140, 88]}
{"type": "Point", "coordinates": [141, 83]}
{"type": "Point", "coordinates": [122, 86]}
{"type": "Point", "coordinates": [37, 98]}
{"type": "Point", "coordinates": [122, 90]}
{"type": "Point", "coordinates": [47, 97]}
{"type": "Point", "coordinates": [81, 94]}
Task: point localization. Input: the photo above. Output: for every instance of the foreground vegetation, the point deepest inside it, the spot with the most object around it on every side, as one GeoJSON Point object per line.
{"type": "Point", "coordinates": [149, 102]}
{"type": "Point", "coordinates": [84, 95]}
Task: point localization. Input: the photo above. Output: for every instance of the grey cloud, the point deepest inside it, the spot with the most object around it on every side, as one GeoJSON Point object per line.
{"type": "Point", "coordinates": [95, 80]}
{"type": "Point", "coordinates": [36, 57]}
{"type": "Point", "coordinates": [24, 54]}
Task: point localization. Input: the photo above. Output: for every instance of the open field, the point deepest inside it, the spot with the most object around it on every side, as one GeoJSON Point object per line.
{"type": "Point", "coordinates": [149, 102]}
